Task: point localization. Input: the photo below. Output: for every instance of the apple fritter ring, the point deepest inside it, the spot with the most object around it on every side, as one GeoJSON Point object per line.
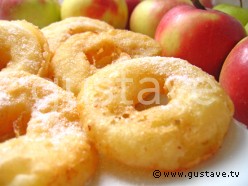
{"type": "Point", "coordinates": [42, 140]}
{"type": "Point", "coordinates": [58, 32]}
{"type": "Point", "coordinates": [135, 44]}
{"type": "Point", "coordinates": [80, 56]}
{"type": "Point", "coordinates": [23, 47]}
{"type": "Point", "coordinates": [155, 112]}
{"type": "Point", "coordinates": [83, 54]}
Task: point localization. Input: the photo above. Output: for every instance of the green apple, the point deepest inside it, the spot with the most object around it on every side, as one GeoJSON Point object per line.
{"type": "Point", "coordinates": [237, 12]}
{"type": "Point", "coordinates": [246, 28]}
{"type": "Point", "coordinates": [40, 13]}
{"type": "Point", "coordinates": [114, 12]}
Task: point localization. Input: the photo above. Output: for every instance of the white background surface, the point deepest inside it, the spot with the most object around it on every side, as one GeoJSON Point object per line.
{"type": "Point", "coordinates": [233, 156]}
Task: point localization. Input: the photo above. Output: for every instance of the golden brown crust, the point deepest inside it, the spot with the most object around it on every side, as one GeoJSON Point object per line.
{"type": "Point", "coordinates": [135, 44]}
{"type": "Point", "coordinates": [188, 129]}
{"type": "Point", "coordinates": [58, 32]}
{"type": "Point", "coordinates": [23, 47]}
{"type": "Point", "coordinates": [83, 54]}
{"type": "Point", "coordinates": [42, 141]}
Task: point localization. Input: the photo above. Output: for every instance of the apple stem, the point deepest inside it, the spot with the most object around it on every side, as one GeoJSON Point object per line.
{"type": "Point", "coordinates": [198, 5]}
{"type": "Point", "coordinates": [241, 3]}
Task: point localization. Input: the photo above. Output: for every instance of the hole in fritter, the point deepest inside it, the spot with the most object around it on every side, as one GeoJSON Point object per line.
{"type": "Point", "coordinates": [151, 93]}
{"type": "Point", "coordinates": [125, 115]}
{"type": "Point", "coordinates": [5, 57]}
{"type": "Point", "coordinates": [152, 100]}
{"type": "Point", "coordinates": [103, 55]}
{"type": "Point", "coordinates": [15, 127]}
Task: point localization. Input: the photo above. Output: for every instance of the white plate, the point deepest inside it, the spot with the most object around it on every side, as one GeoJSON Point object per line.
{"type": "Point", "coordinates": [233, 156]}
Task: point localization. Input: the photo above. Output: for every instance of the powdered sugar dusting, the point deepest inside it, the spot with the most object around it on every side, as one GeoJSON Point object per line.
{"type": "Point", "coordinates": [4, 99]}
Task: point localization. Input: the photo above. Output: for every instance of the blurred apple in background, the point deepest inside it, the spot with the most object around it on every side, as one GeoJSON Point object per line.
{"type": "Point", "coordinates": [131, 4]}
{"type": "Point", "coordinates": [40, 13]}
{"type": "Point", "coordinates": [232, 2]}
{"type": "Point", "coordinates": [234, 79]}
{"type": "Point", "coordinates": [246, 28]}
{"type": "Point", "coordinates": [148, 13]}
{"type": "Point", "coordinates": [237, 12]}
{"type": "Point", "coordinates": [203, 37]}
{"type": "Point", "coordinates": [207, 3]}
{"type": "Point", "coordinates": [114, 12]}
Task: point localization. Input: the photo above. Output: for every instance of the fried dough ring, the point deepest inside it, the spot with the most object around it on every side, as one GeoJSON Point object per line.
{"type": "Point", "coordinates": [50, 147]}
{"type": "Point", "coordinates": [187, 130]}
{"type": "Point", "coordinates": [23, 47]}
{"type": "Point", "coordinates": [82, 54]}
{"type": "Point", "coordinates": [135, 44]}
{"type": "Point", "coordinates": [58, 32]}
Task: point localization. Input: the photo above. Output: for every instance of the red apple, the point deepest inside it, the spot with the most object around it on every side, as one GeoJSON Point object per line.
{"type": "Point", "coordinates": [148, 13]}
{"type": "Point", "coordinates": [203, 37]}
{"type": "Point", "coordinates": [114, 12]}
{"type": "Point", "coordinates": [131, 4]}
{"type": "Point", "coordinates": [207, 3]}
{"type": "Point", "coordinates": [234, 79]}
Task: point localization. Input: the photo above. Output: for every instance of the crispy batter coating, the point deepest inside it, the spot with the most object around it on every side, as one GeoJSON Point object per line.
{"type": "Point", "coordinates": [119, 108]}
{"type": "Point", "coordinates": [83, 54]}
{"type": "Point", "coordinates": [23, 47]}
{"type": "Point", "coordinates": [58, 32]}
{"type": "Point", "coordinates": [135, 44]}
{"type": "Point", "coordinates": [42, 141]}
